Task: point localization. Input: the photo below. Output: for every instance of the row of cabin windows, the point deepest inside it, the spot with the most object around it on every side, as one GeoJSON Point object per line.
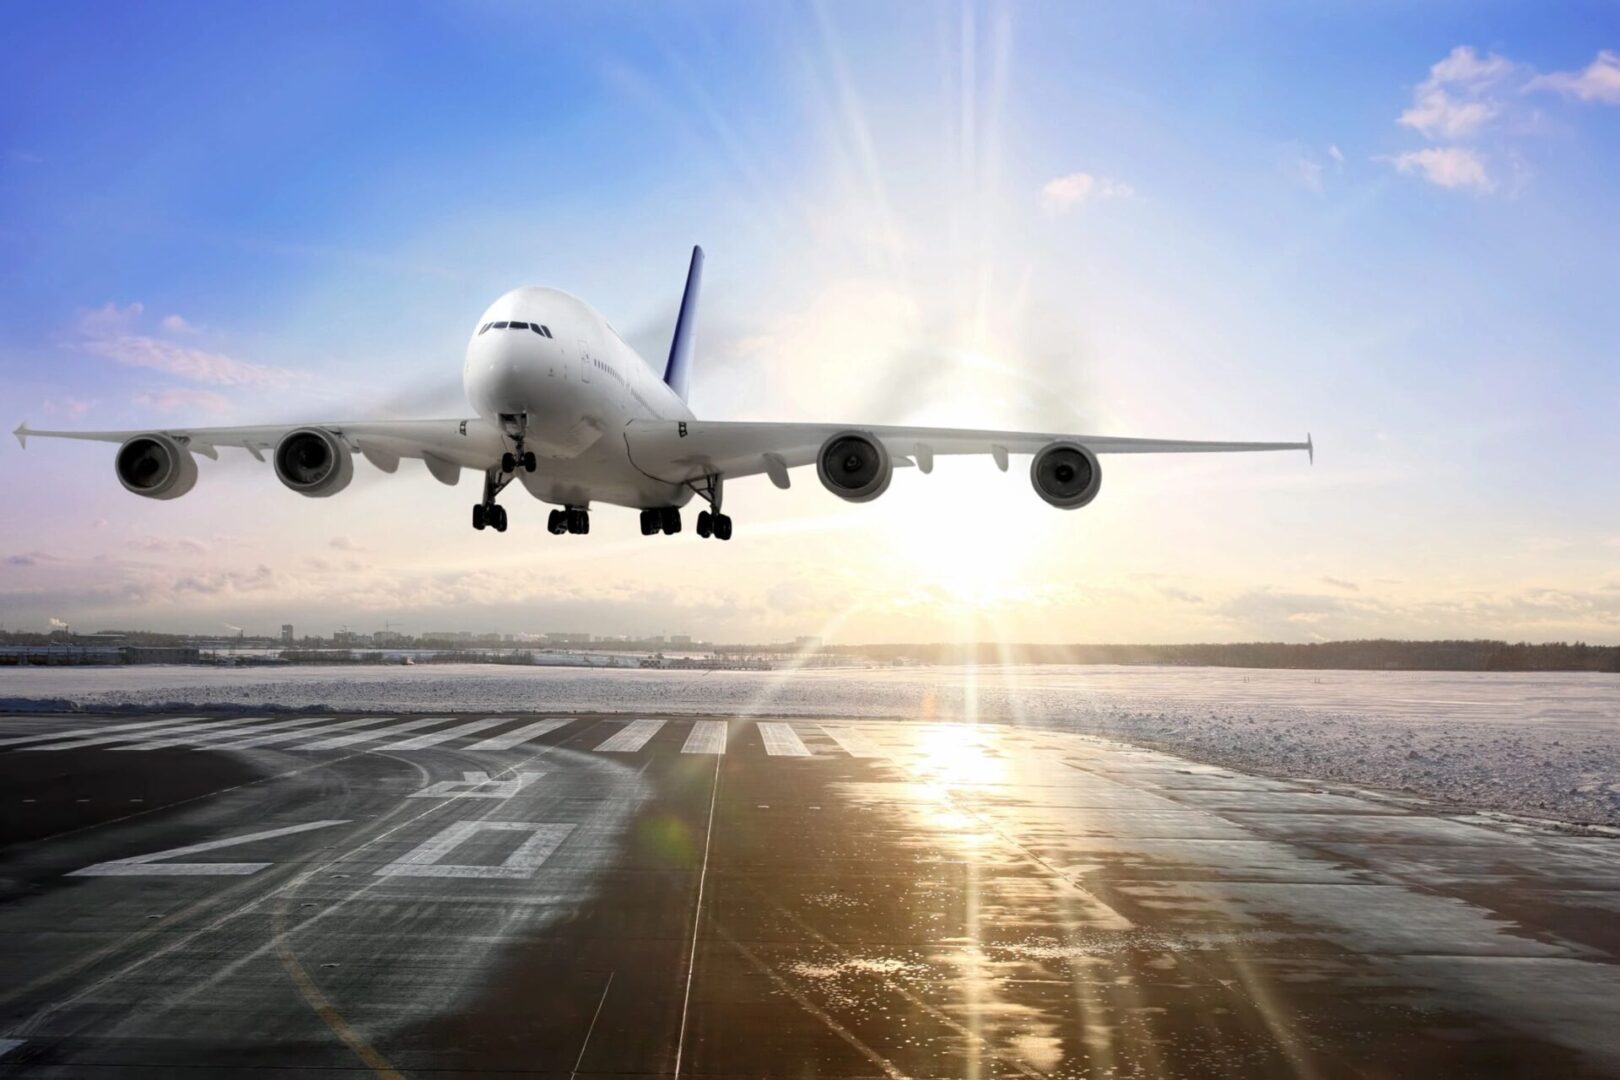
{"type": "Point", "coordinates": [543, 331]}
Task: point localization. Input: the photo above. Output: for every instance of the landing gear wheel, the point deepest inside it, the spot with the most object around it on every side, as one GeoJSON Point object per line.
{"type": "Point", "coordinates": [497, 518]}
{"type": "Point", "coordinates": [509, 463]}
{"type": "Point", "coordinates": [669, 518]}
{"type": "Point", "coordinates": [704, 528]}
{"type": "Point", "coordinates": [478, 516]}
{"type": "Point", "coordinates": [650, 522]}
{"type": "Point", "coordinates": [557, 522]}
{"type": "Point", "coordinates": [577, 521]}
{"type": "Point", "coordinates": [529, 463]}
{"type": "Point", "coordinates": [722, 526]}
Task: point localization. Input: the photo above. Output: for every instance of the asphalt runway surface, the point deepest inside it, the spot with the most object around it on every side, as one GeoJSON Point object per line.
{"type": "Point", "coordinates": [599, 896]}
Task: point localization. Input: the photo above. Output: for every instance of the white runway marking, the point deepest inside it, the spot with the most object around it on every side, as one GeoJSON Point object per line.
{"type": "Point", "coordinates": [434, 738]}
{"type": "Point", "coordinates": [782, 741]}
{"type": "Point", "coordinates": [423, 861]}
{"type": "Point", "coordinates": [291, 736]}
{"type": "Point", "coordinates": [522, 735]}
{"type": "Point", "coordinates": [708, 737]}
{"type": "Point", "coordinates": [477, 785]}
{"type": "Point", "coordinates": [242, 725]}
{"type": "Point", "coordinates": [176, 724]}
{"type": "Point", "coordinates": [77, 733]}
{"type": "Point", "coordinates": [366, 736]}
{"type": "Point", "coordinates": [851, 741]}
{"type": "Point", "coordinates": [632, 737]}
{"type": "Point", "coordinates": [8, 1045]}
{"type": "Point", "coordinates": [148, 866]}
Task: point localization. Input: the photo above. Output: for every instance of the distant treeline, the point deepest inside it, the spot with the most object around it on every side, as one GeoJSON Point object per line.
{"type": "Point", "coordinates": [1378, 655]}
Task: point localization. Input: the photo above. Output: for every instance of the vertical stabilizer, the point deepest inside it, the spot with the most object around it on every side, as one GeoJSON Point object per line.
{"type": "Point", "coordinates": [679, 368]}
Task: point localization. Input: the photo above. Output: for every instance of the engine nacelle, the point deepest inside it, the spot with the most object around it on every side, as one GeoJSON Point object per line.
{"type": "Point", "coordinates": [854, 466]}
{"type": "Point", "coordinates": [156, 467]}
{"type": "Point", "coordinates": [314, 462]}
{"type": "Point", "coordinates": [1066, 474]}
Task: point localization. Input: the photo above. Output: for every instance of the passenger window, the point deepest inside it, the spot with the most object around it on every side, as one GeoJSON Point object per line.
{"type": "Point", "coordinates": [520, 326]}
{"type": "Point", "coordinates": [486, 326]}
{"type": "Point", "coordinates": [501, 325]}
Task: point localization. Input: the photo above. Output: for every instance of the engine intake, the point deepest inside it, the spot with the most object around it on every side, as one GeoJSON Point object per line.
{"type": "Point", "coordinates": [314, 462]}
{"type": "Point", "coordinates": [854, 466]}
{"type": "Point", "coordinates": [156, 467]}
{"type": "Point", "coordinates": [1066, 474]}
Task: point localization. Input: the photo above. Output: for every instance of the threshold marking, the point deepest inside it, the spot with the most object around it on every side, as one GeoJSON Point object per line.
{"type": "Point", "coordinates": [244, 725]}
{"type": "Point", "coordinates": [76, 733]}
{"type": "Point", "coordinates": [374, 733]}
{"type": "Point", "coordinates": [434, 738]}
{"type": "Point", "coordinates": [176, 724]}
{"type": "Point", "coordinates": [632, 737]}
{"type": "Point", "coordinates": [523, 734]}
{"type": "Point", "coordinates": [708, 737]}
{"type": "Point", "coordinates": [851, 741]}
{"type": "Point", "coordinates": [782, 741]}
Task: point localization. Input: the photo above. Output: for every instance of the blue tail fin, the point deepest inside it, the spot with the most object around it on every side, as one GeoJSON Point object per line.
{"type": "Point", "coordinates": [679, 368]}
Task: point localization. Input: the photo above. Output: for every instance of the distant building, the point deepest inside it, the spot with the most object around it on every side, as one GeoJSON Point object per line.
{"type": "Point", "coordinates": [567, 639]}
{"type": "Point", "coordinates": [287, 633]}
{"type": "Point", "coordinates": [807, 643]}
{"type": "Point", "coordinates": [683, 641]}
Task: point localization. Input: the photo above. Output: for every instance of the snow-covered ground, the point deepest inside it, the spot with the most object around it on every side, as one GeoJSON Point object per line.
{"type": "Point", "coordinates": [1540, 744]}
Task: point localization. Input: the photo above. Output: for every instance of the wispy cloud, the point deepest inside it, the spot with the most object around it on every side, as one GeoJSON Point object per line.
{"type": "Point", "coordinates": [175, 324]}
{"type": "Point", "coordinates": [1599, 81]}
{"type": "Point", "coordinates": [112, 331]}
{"type": "Point", "coordinates": [1455, 101]}
{"type": "Point", "coordinates": [1447, 166]}
{"type": "Point", "coordinates": [1061, 194]}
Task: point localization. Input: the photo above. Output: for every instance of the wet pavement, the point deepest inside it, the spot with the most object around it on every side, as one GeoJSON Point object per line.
{"type": "Point", "coordinates": [640, 896]}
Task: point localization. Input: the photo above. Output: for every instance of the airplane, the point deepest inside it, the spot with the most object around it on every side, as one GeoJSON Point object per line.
{"type": "Point", "coordinates": [578, 417]}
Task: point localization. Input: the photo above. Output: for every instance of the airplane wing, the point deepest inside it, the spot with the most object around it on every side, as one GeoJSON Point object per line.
{"type": "Point", "coordinates": [682, 451]}
{"type": "Point", "coordinates": [445, 446]}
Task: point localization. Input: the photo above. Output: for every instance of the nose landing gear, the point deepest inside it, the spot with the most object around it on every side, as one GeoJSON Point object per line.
{"type": "Point", "coordinates": [516, 428]}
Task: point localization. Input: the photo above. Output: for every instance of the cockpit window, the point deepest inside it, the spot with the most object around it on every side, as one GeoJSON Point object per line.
{"type": "Point", "coordinates": [547, 330]}
{"type": "Point", "coordinates": [502, 325]}
{"type": "Point", "coordinates": [520, 326]}
{"type": "Point", "coordinates": [486, 326]}
{"type": "Point", "coordinates": [537, 328]}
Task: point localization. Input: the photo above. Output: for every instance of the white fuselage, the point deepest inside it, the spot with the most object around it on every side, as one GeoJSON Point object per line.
{"type": "Point", "coordinates": [574, 384]}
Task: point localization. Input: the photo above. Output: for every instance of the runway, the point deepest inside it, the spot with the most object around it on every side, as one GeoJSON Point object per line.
{"type": "Point", "coordinates": [594, 896]}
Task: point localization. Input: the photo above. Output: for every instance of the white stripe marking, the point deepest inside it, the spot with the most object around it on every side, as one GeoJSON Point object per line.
{"type": "Point", "coordinates": [367, 736]}
{"type": "Point", "coordinates": [521, 735]}
{"type": "Point", "coordinates": [76, 733]}
{"type": "Point", "coordinates": [852, 742]}
{"type": "Point", "coordinates": [148, 866]}
{"type": "Point", "coordinates": [423, 861]}
{"type": "Point", "coordinates": [290, 736]}
{"type": "Point", "coordinates": [782, 741]}
{"type": "Point", "coordinates": [176, 724]}
{"type": "Point", "coordinates": [434, 738]}
{"type": "Point", "coordinates": [8, 1045]}
{"type": "Point", "coordinates": [632, 737]}
{"type": "Point", "coordinates": [708, 737]}
{"type": "Point", "coordinates": [241, 726]}
{"type": "Point", "coordinates": [478, 785]}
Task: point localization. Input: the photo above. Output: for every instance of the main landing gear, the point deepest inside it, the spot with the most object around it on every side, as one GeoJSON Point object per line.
{"type": "Point", "coordinates": [487, 513]}
{"type": "Point", "coordinates": [710, 522]}
{"type": "Point", "coordinates": [572, 519]}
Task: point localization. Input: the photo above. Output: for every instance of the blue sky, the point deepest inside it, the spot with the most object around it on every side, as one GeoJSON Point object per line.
{"type": "Point", "coordinates": [1391, 225]}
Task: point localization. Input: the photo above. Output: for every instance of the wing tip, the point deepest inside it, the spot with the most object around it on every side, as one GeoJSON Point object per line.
{"type": "Point", "coordinates": [1310, 448]}
{"type": "Point", "coordinates": [22, 434]}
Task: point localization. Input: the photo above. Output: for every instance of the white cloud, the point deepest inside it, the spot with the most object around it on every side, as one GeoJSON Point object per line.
{"type": "Point", "coordinates": [177, 398]}
{"type": "Point", "coordinates": [345, 543]}
{"type": "Point", "coordinates": [177, 325]}
{"type": "Point", "coordinates": [1447, 166]}
{"type": "Point", "coordinates": [1599, 81]}
{"type": "Point", "coordinates": [1061, 194]}
{"type": "Point", "coordinates": [111, 331]}
{"type": "Point", "coordinates": [1336, 154]}
{"type": "Point", "coordinates": [1456, 101]}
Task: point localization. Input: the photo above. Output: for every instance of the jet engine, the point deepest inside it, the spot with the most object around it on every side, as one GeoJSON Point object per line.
{"type": "Point", "coordinates": [313, 462]}
{"type": "Point", "coordinates": [1066, 475]}
{"type": "Point", "coordinates": [156, 467]}
{"type": "Point", "coordinates": [854, 466]}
